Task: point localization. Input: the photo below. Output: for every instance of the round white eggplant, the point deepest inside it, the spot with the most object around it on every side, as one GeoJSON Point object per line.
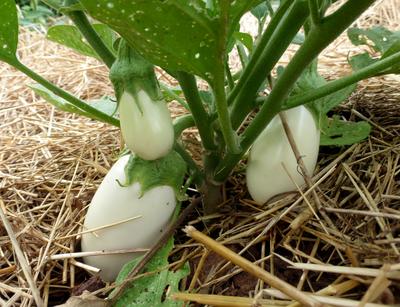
{"type": "Point", "coordinates": [265, 175]}
{"type": "Point", "coordinates": [146, 125]}
{"type": "Point", "coordinates": [113, 203]}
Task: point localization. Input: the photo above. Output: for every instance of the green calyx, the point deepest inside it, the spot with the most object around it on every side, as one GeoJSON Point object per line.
{"type": "Point", "coordinates": [131, 72]}
{"type": "Point", "coordinates": [169, 170]}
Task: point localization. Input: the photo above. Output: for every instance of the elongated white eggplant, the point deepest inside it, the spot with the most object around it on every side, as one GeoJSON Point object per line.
{"type": "Point", "coordinates": [146, 125]}
{"type": "Point", "coordinates": [265, 173]}
{"type": "Point", "coordinates": [149, 207]}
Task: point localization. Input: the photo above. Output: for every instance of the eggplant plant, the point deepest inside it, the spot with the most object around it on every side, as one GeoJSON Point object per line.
{"type": "Point", "coordinates": [192, 41]}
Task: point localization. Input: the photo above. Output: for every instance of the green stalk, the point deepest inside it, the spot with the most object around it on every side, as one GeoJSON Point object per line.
{"type": "Point", "coordinates": [230, 137]}
{"type": "Point", "coordinates": [259, 49]}
{"type": "Point", "coordinates": [229, 77]}
{"type": "Point", "coordinates": [182, 123]}
{"type": "Point", "coordinates": [277, 44]}
{"type": "Point", "coordinates": [244, 59]}
{"type": "Point", "coordinates": [218, 83]}
{"type": "Point", "coordinates": [84, 26]}
{"type": "Point", "coordinates": [314, 12]}
{"type": "Point", "coordinates": [336, 85]}
{"type": "Point", "coordinates": [200, 115]}
{"type": "Point", "coordinates": [65, 95]}
{"type": "Point", "coordinates": [319, 37]}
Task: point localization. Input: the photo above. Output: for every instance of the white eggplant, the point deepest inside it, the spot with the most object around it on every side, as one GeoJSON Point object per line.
{"type": "Point", "coordinates": [146, 125]}
{"type": "Point", "coordinates": [265, 175]}
{"type": "Point", "coordinates": [114, 203]}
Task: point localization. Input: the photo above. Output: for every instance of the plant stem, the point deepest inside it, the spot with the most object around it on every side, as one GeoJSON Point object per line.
{"type": "Point", "coordinates": [319, 37]}
{"type": "Point", "coordinates": [230, 137]}
{"type": "Point", "coordinates": [200, 115]}
{"type": "Point", "coordinates": [336, 85]}
{"type": "Point", "coordinates": [314, 12]}
{"type": "Point", "coordinates": [229, 77]}
{"type": "Point", "coordinates": [65, 95]}
{"type": "Point", "coordinates": [182, 123]}
{"type": "Point", "coordinates": [263, 62]}
{"type": "Point", "coordinates": [263, 40]}
{"type": "Point", "coordinates": [218, 82]}
{"type": "Point", "coordinates": [243, 57]}
{"type": "Point", "coordinates": [84, 26]}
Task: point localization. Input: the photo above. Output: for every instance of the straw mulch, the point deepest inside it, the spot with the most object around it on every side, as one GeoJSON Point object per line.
{"type": "Point", "coordinates": [52, 162]}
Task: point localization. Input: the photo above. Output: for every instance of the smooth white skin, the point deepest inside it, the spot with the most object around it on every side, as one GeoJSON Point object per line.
{"type": "Point", "coordinates": [265, 174]}
{"type": "Point", "coordinates": [146, 126]}
{"type": "Point", "coordinates": [113, 203]}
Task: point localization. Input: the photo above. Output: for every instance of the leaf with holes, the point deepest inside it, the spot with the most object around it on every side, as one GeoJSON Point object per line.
{"type": "Point", "coordinates": [8, 31]}
{"type": "Point", "coordinates": [175, 34]}
{"type": "Point", "coordinates": [336, 132]}
{"type": "Point", "coordinates": [70, 36]}
{"type": "Point", "coordinates": [150, 290]}
{"type": "Point", "coordinates": [381, 40]}
{"type": "Point", "coordinates": [378, 38]}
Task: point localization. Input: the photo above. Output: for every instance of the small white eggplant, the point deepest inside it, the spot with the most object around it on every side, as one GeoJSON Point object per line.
{"type": "Point", "coordinates": [146, 125]}
{"type": "Point", "coordinates": [265, 175]}
{"type": "Point", "coordinates": [114, 203]}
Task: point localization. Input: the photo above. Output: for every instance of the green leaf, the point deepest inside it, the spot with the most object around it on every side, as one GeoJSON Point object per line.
{"type": "Point", "coordinates": [208, 99]}
{"type": "Point", "coordinates": [381, 40]}
{"type": "Point", "coordinates": [56, 101]}
{"type": "Point", "coordinates": [169, 170]}
{"type": "Point", "coordinates": [260, 11]}
{"type": "Point", "coordinates": [378, 38]}
{"type": "Point", "coordinates": [394, 48]}
{"type": "Point", "coordinates": [170, 93]}
{"type": "Point", "coordinates": [105, 105]}
{"type": "Point", "coordinates": [173, 34]}
{"type": "Point", "coordinates": [173, 93]}
{"type": "Point", "coordinates": [311, 79]}
{"type": "Point", "coordinates": [245, 38]}
{"type": "Point", "coordinates": [8, 31]}
{"type": "Point", "coordinates": [71, 37]}
{"type": "Point", "coordinates": [335, 132]}
{"type": "Point", "coordinates": [150, 290]}
{"type": "Point", "coordinates": [360, 61]}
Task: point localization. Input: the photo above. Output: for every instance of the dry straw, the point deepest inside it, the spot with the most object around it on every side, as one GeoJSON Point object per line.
{"type": "Point", "coordinates": [52, 162]}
